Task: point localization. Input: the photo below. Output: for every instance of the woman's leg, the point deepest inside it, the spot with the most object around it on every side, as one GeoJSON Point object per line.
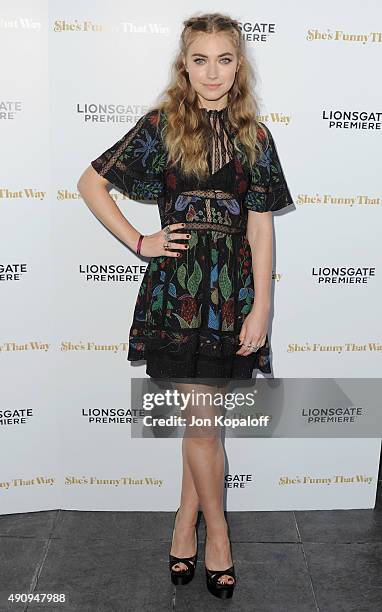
{"type": "Point", "coordinates": [183, 543]}
{"type": "Point", "coordinates": [203, 479]}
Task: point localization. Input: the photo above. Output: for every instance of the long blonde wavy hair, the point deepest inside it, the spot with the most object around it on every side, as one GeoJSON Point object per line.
{"type": "Point", "coordinates": [186, 131]}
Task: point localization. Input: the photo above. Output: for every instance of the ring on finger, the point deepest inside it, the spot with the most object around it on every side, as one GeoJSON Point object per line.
{"type": "Point", "coordinates": [167, 231]}
{"type": "Point", "coordinates": [253, 347]}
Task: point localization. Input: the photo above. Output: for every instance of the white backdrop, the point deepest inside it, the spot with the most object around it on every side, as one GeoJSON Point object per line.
{"type": "Point", "coordinates": [76, 77]}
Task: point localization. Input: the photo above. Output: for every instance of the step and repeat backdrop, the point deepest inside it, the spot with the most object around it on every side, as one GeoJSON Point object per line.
{"type": "Point", "coordinates": [75, 78]}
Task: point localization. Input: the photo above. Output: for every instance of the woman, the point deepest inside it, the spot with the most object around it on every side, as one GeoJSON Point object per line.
{"type": "Point", "coordinates": [214, 172]}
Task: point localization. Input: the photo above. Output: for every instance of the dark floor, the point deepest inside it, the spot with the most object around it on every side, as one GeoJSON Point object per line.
{"type": "Point", "coordinates": [118, 561]}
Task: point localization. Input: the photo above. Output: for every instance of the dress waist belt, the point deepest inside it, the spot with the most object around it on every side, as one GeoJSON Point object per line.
{"type": "Point", "coordinates": [219, 227]}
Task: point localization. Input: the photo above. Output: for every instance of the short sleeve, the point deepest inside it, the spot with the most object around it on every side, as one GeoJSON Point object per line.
{"type": "Point", "coordinates": [135, 163]}
{"type": "Point", "coordinates": [268, 189]}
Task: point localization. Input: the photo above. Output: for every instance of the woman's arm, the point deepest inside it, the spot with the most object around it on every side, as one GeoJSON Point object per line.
{"type": "Point", "coordinates": [260, 238]}
{"type": "Point", "coordinates": [92, 188]}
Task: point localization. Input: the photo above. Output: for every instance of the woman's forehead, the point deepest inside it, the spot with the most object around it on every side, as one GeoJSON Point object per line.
{"type": "Point", "coordinates": [212, 44]}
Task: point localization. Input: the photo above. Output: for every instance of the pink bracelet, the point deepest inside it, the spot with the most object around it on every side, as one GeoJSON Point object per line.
{"type": "Point", "coordinates": [139, 244]}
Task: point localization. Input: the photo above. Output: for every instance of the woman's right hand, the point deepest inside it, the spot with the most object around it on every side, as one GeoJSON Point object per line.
{"type": "Point", "coordinates": [152, 244]}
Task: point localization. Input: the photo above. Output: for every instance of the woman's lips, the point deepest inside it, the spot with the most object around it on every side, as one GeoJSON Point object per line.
{"type": "Point", "coordinates": [213, 86]}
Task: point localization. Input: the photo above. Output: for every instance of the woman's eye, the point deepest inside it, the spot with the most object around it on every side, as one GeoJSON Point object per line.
{"type": "Point", "coordinates": [224, 59]}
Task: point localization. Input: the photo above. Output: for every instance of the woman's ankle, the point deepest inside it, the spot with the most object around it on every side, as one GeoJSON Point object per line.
{"type": "Point", "coordinates": [217, 528]}
{"type": "Point", "coordinates": [218, 553]}
{"type": "Point", "coordinates": [187, 516]}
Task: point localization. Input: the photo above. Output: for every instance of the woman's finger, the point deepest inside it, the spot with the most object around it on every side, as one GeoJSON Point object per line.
{"type": "Point", "coordinates": [246, 350]}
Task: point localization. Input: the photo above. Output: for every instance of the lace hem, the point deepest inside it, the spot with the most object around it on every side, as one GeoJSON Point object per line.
{"type": "Point", "coordinates": [195, 353]}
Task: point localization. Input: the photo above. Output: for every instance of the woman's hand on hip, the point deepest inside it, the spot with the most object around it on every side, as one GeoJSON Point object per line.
{"type": "Point", "coordinates": [153, 244]}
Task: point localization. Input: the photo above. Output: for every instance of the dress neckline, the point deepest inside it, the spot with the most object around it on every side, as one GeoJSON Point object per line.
{"type": "Point", "coordinates": [214, 111]}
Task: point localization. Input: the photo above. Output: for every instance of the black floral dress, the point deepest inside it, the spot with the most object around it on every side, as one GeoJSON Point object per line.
{"type": "Point", "coordinates": [190, 309]}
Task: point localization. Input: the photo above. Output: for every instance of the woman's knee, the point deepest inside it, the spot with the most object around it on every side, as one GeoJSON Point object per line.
{"type": "Point", "coordinates": [203, 438]}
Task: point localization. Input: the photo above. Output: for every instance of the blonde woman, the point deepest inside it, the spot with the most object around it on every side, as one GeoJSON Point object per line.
{"type": "Point", "coordinates": [203, 305]}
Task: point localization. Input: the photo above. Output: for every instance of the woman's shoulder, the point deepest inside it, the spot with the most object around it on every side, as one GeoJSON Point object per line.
{"type": "Point", "coordinates": [263, 131]}
{"type": "Point", "coordinates": [155, 117]}
{"type": "Point", "coordinates": [265, 136]}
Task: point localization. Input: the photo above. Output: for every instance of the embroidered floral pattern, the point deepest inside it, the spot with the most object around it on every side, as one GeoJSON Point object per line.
{"type": "Point", "coordinates": [268, 189]}
{"type": "Point", "coordinates": [190, 309]}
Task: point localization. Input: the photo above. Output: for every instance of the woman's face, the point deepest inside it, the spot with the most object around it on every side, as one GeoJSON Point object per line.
{"type": "Point", "coordinates": [212, 62]}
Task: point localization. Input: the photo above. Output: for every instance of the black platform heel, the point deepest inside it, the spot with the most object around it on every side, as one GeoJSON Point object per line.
{"type": "Point", "coordinates": [183, 576]}
{"type": "Point", "coordinates": [221, 590]}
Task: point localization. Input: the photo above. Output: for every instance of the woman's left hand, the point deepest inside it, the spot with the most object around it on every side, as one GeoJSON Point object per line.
{"type": "Point", "coordinates": [254, 330]}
